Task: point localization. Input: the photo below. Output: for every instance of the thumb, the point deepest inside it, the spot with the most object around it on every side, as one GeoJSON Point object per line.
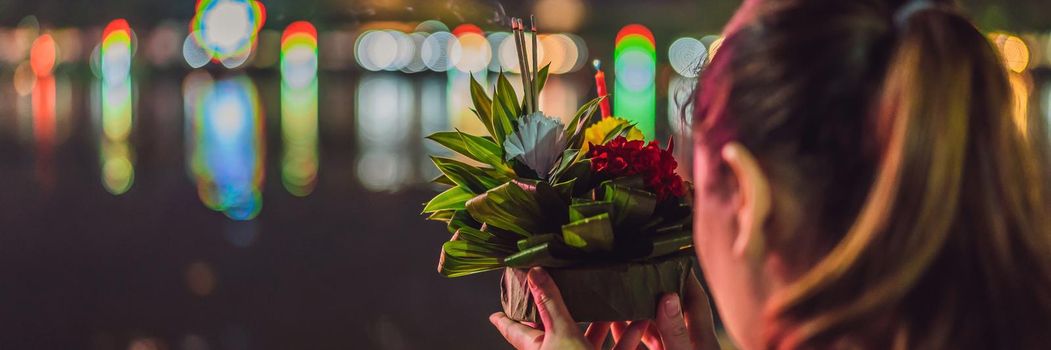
{"type": "Point", "coordinates": [549, 304]}
{"type": "Point", "coordinates": [671, 324]}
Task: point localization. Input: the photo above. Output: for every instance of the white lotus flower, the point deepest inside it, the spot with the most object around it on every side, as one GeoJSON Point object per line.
{"type": "Point", "coordinates": [538, 142]}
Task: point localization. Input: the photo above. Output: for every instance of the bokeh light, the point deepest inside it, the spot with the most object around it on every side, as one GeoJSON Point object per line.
{"type": "Point", "coordinates": [162, 46]}
{"type": "Point", "coordinates": [475, 50]}
{"type": "Point", "coordinates": [509, 53]}
{"type": "Point", "coordinates": [713, 43]}
{"type": "Point", "coordinates": [42, 55]}
{"type": "Point", "coordinates": [299, 108]}
{"type": "Point", "coordinates": [384, 113]}
{"type": "Point", "coordinates": [116, 154]}
{"type": "Point", "coordinates": [24, 79]}
{"type": "Point", "coordinates": [227, 145]}
{"type": "Point", "coordinates": [441, 51]}
{"type": "Point", "coordinates": [560, 15]}
{"type": "Point", "coordinates": [194, 54]}
{"type": "Point", "coordinates": [200, 278]}
{"type": "Point", "coordinates": [226, 29]}
{"type": "Point", "coordinates": [635, 67]}
{"type": "Point", "coordinates": [415, 64]}
{"type": "Point", "coordinates": [496, 41]}
{"type": "Point", "coordinates": [431, 26]}
{"type": "Point", "coordinates": [680, 91]}
{"type": "Point", "coordinates": [1013, 51]}
{"type": "Point", "coordinates": [115, 52]}
{"type": "Point", "coordinates": [299, 54]}
{"type": "Point", "coordinates": [686, 55]}
{"type": "Point", "coordinates": [42, 61]}
{"type": "Point", "coordinates": [560, 51]}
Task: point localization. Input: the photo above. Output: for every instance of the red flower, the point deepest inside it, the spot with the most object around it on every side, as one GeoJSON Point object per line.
{"type": "Point", "coordinates": [621, 157]}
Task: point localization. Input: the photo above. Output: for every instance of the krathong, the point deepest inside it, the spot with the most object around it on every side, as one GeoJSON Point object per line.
{"type": "Point", "coordinates": [602, 210]}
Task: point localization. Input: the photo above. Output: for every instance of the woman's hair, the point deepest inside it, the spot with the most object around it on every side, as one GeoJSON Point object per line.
{"type": "Point", "coordinates": [927, 206]}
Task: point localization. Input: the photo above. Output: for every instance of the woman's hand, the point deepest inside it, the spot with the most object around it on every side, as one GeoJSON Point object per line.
{"type": "Point", "coordinates": [678, 327]}
{"type": "Point", "coordinates": [675, 327]}
{"type": "Point", "coordinates": [560, 332]}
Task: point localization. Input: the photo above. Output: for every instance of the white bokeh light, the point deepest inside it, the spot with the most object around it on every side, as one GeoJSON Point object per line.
{"type": "Point", "coordinates": [299, 66]}
{"type": "Point", "coordinates": [476, 53]}
{"type": "Point", "coordinates": [227, 26]}
{"type": "Point", "coordinates": [194, 54]}
{"type": "Point", "coordinates": [686, 56]}
{"type": "Point", "coordinates": [441, 51]}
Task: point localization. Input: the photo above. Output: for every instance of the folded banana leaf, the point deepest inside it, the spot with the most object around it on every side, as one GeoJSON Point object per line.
{"type": "Point", "coordinates": [611, 292]}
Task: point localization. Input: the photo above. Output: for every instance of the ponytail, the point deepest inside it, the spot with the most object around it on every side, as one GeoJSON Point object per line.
{"type": "Point", "coordinates": [952, 245]}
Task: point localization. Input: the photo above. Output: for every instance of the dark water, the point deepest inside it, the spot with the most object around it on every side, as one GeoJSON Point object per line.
{"type": "Point", "coordinates": [349, 265]}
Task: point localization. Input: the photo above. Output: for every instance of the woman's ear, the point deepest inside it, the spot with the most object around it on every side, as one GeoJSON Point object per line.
{"type": "Point", "coordinates": [753, 201]}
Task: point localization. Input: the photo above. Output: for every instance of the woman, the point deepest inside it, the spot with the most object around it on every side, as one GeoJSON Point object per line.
{"type": "Point", "coordinates": [860, 183]}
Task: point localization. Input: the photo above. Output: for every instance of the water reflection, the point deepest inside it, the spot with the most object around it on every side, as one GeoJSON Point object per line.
{"type": "Point", "coordinates": [42, 61]}
{"type": "Point", "coordinates": [299, 108]}
{"type": "Point", "coordinates": [384, 115]}
{"type": "Point", "coordinates": [226, 144]}
{"type": "Point", "coordinates": [116, 96]}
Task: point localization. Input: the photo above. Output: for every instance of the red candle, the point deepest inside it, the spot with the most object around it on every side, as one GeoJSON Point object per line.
{"type": "Point", "coordinates": [600, 85]}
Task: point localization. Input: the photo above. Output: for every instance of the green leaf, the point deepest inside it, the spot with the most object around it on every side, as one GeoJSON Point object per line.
{"type": "Point", "coordinates": [461, 219]}
{"type": "Point", "coordinates": [579, 211]}
{"type": "Point", "coordinates": [443, 180]}
{"type": "Point", "coordinates": [472, 251]}
{"type": "Point", "coordinates": [442, 215]}
{"type": "Point", "coordinates": [568, 157]}
{"type": "Point", "coordinates": [549, 254]}
{"type": "Point", "coordinates": [671, 243]}
{"type": "Point", "coordinates": [593, 234]}
{"type": "Point", "coordinates": [541, 77]}
{"type": "Point", "coordinates": [455, 266]}
{"type": "Point", "coordinates": [483, 106]}
{"type": "Point", "coordinates": [505, 109]}
{"type": "Point", "coordinates": [511, 206]}
{"type": "Point", "coordinates": [565, 189]}
{"type": "Point", "coordinates": [465, 249]}
{"type": "Point", "coordinates": [450, 140]}
{"type": "Point", "coordinates": [487, 241]}
{"type": "Point", "coordinates": [452, 199]}
{"type": "Point", "coordinates": [630, 205]}
{"type": "Point", "coordinates": [481, 149]}
{"type": "Point", "coordinates": [488, 152]}
{"type": "Point", "coordinates": [616, 131]}
{"type": "Point", "coordinates": [580, 171]}
{"type": "Point", "coordinates": [527, 243]}
{"type": "Point", "coordinates": [581, 120]}
{"type": "Point", "coordinates": [470, 178]}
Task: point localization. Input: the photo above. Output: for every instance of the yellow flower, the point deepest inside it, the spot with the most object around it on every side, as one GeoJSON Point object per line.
{"type": "Point", "coordinates": [596, 133]}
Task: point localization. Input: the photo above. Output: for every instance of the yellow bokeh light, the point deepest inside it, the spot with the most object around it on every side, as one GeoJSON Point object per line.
{"type": "Point", "coordinates": [1013, 51]}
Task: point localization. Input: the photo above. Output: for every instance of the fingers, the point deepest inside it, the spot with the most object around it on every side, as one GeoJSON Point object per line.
{"type": "Point", "coordinates": [596, 334]}
{"type": "Point", "coordinates": [631, 337]}
{"type": "Point", "coordinates": [671, 325]}
{"type": "Point", "coordinates": [652, 338]}
{"type": "Point", "coordinates": [549, 303]}
{"type": "Point", "coordinates": [518, 335]}
{"type": "Point", "coordinates": [618, 328]}
{"type": "Point", "coordinates": [699, 316]}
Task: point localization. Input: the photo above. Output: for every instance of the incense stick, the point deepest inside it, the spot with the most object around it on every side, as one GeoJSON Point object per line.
{"type": "Point", "coordinates": [523, 63]}
{"type": "Point", "coordinates": [536, 72]}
